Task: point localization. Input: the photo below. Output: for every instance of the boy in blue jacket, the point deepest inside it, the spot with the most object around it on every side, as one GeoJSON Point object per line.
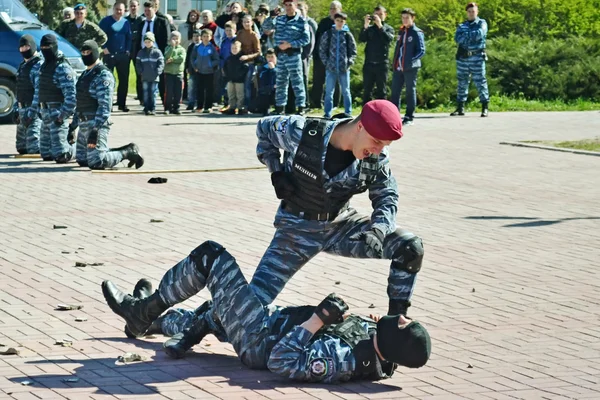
{"type": "Point", "coordinates": [205, 61]}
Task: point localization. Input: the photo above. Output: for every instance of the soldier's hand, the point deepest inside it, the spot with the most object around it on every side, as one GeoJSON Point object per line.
{"type": "Point", "coordinates": [331, 310]}
{"type": "Point", "coordinates": [71, 134]}
{"type": "Point", "coordinates": [58, 121]}
{"type": "Point", "coordinates": [92, 139]}
{"type": "Point", "coordinates": [27, 121]}
{"type": "Point", "coordinates": [373, 239]}
{"type": "Point", "coordinates": [15, 118]}
{"type": "Point", "coordinates": [283, 183]}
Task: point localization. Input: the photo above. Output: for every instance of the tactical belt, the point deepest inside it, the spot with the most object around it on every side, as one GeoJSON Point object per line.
{"type": "Point", "coordinates": [288, 52]}
{"type": "Point", "coordinates": [24, 105]}
{"type": "Point", "coordinates": [83, 117]}
{"type": "Point", "coordinates": [474, 52]}
{"type": "Point", "coordinates": [314, 216]}
{"type": "Point", "coordinates": [54, 104]}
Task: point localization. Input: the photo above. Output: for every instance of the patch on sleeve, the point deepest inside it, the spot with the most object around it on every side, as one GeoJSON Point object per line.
{"type": "Point", "coordinates": [281, 124]}
{"type": "Point", "coordinates": [106, 83]}
{"type": "Point", "coordinates": [321, 367]}
{"type": "Point", "coordinates": [69, 77]}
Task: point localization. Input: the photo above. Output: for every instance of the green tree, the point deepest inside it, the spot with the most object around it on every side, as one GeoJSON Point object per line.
{"type": "Point", "coordinates": [50, 11]}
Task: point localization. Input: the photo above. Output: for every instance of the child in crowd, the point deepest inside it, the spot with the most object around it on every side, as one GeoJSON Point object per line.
{"type": "Point", "coordinates": [190, 70]}
{"type": "Point", "coordinates": [205, 61]}
{"type": "Point", "coordinates": [174, 65]}
{"type": "Point", "coordinates": [266, 83]}
{"type": "Point", "coordinates": [235, 72]}
{"type": "Point", "coordinates": [150, 64]}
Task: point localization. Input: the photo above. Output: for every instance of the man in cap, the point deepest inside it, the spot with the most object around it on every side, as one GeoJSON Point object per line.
{"type": "Point", "coordinates": [29, 123]}
{"type": "Point", "coordinates": [291, 35]}
{"type": "Point", "coordinates": [94, 101]}
{"type": "Point", "coordinates": [80, 29]}
{"type": "Point", "coordinates": [55, 95]}
{"type": "Point", "coordinates": [470, 60]}
{"type": "Point", "coordinates": [326, 162]}
{"type": "Point", "coordinates": [306, 343]}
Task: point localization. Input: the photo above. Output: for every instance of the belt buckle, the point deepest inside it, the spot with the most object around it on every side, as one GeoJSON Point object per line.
{"type": "Point", "coordinates": [323, 217]}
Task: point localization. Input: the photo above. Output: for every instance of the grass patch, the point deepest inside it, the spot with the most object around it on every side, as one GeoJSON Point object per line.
{"type": "Point", "coordinates": [584, 144]}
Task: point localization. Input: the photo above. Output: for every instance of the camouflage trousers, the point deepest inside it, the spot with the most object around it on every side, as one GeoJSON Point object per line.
{"type": "Point", "coordinates": [473, 66]}
{"type": "Point", "coordinates": [56, 136]}
{"type": "Point", "coordinates": [100, 157]}
{"type": "Point", "coordinates": [295, 244]}
{"type": "Point", "coordinates": [242, 315]}
{"type": "Point", "coordinates": [28, 137]}
{"type": "Point", "coordinates": [289, 68]}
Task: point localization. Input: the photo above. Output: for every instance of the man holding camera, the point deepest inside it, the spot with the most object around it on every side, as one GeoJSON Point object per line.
{"type": "Point", "coordinates": [470, 59]}
{"type": "Point", "coordinates": [377, 35]}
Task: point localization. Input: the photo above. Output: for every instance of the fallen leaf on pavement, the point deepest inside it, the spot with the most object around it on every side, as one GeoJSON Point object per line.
{"type": "Point", "coordinates": [130, 357]}
{"type": "Point", "coordinates": [68, 307]}
{"type": "Point", "coordinates": [10, 351]}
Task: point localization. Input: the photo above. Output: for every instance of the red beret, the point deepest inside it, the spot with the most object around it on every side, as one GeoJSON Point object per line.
{"type": "Point", "coordinates": [381, 120]}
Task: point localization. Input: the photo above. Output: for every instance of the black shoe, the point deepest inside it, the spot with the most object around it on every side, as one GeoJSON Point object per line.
{"type": "Point", "coordinates": [142, 290]}
{"type": "Point", "coordinates": [242, 111]}
{"type": "Point", "coordinates": [48, 159]}
{"type": "Point", "coordinates": [132, 153]}
{"type": "Point", "coordinates": [277, 111]}
{"type": "Point", "coordinates": [137, 313]}
{"type": "Point", "coordinates": [22, 151]}
{"type": "Point", "coordinates": [176, 112]}
{"type": "Point", "coordinates": [124, 108]}
{"type": "Point", "coordinates": [398, 307]}
{"type": "Point", "coordinates": [484, 109]}
{"type": "Point", "coordinates": [229, 111]}
{"type": "Point", "coordinates": [190, 108]}
{"type": "Point", "coordinates": [407, 121]}
{"type": "Point", "coordinates": [178, 345]}
{"type": "Point", "coordinates": [301, 111]}
{"type": "Point", "coordinates": [460, 109]}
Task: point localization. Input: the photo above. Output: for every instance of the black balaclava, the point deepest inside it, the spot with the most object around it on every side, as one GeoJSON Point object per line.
{"type": "Point", "coordinates": [28, 40]}
{"type": "Point", "coordinates": [52, 53]}
{"type": "Point", "coordinates": [91, 58]}
{"type": "Point", "coordinates": [409, 346]}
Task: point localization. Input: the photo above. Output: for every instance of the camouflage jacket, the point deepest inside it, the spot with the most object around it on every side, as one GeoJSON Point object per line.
{"type": "Point", "coordinates": [76, 36]}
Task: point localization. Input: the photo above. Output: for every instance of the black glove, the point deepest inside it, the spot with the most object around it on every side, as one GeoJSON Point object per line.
{"type": "Point", "coordinates": [27, 121]}
{"type": "Point", "coordinates": [283, 182]}
{"type": "Point", "coordinates": [71, 134]}
{"type": "Point", "coordinates": [373, 238]}
{"type": "Point", "coordinates": [58, 121]}
{"type": "Point", "coordinates": [15, 118]}
{"type": "Point", "coordinates": [335, 307]}
{"type": "Point", "coordinates": [93, 137]}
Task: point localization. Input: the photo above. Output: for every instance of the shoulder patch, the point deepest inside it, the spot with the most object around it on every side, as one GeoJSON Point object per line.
{"type": "Point", "coordinates": [69, 77]}
{"type": "Point", "coordinates": [281, 124]}
{"type": "Point", "coordinates": [321, 367]}
{"type": "Point", "coordinates": [106, 83]}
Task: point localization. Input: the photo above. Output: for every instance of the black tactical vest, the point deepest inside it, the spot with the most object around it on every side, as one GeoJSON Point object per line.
{"type": "Point", "coordinates": [351, 332]}
{"type": "Point", "coordinates": [85, 102]}
{"type": "Point", "coordinates": [49, 92]}
{"type": "Point", "coordinates": [307, 169]}
{"type": "Point", "coordinates": [25, 87]}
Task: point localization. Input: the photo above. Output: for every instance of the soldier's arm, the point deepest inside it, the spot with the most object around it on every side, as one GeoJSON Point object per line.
{"type": "Point", "coordinates": [99, 35]}
{"type": "Point", "coordinates": [461, 35]}
{"type": "Point", "coordinates": [420, 46]}
{"type": "Point", "coordinates": [104, 87]}
{"type": "Point", "coordinates": [66, 82]}
{"type": "Point", "coordinates": [304, 38]}
{"type": "Point", "coordinates": [275, 133]}
{"type": "Point", "coordinates": [383, 193]}
{"type": "Point", "coordinates": [34, 75]}
{"type": "Point", "coordinates": [296, 358]}
{"type": "Point", "coordinates": [477, 35]}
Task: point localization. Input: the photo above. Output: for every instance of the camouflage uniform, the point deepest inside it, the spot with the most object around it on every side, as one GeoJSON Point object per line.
{"type": "Point", "coordinates": [76, 36]}
{"type": "Point", "coordinates": [53, 137]}
{"type": "Point", "coordinates": [470, 59]}
{"type": "Point", "coordinates": [289, 62]}
{"type": "Point", "coordinates": [262, 336]}
{"type": "Point", "coordinates": [28, 129]}
{"type": "Point", "coordinates": [99, 82]}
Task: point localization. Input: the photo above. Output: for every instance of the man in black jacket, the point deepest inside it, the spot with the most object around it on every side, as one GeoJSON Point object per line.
{"type": "Point", "coordinates": [136, 22]}
{"type": "Point", "coordinates": [318, 67]}
{"type": "Point", "coordinates": [378, 35]}
{"type": "Point", "coordinates": [162, 30]}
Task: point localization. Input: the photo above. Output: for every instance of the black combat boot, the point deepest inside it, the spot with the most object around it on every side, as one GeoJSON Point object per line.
{"type": "Point", "coordinates": [179, 344]}
{"type": "Point", "coordinates": [277, 111]}
{"type": "Point", "coordinates": [142, 290]}
{"type": "Point", "coordinates": [22, 151]}
{"type": "Point", "coordinates": [484, 109]}
{"type": "Point", "coordinates": [398, 307]}
{"type": "Point", "coordinates": [139, 314]}
{"type": "Point", "coordinates": [460, 109]}
{"type": "Point", "coordinates": [301, 111]}
{"type": "Point", "coordinates": [132, 153]}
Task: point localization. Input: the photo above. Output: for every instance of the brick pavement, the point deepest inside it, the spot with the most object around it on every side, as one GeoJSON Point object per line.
{"type": "Point", "coordinates": [510, 283]}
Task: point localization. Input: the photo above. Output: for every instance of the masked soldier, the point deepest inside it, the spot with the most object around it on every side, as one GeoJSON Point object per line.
{"type": "Point", "coordinates": [95, 89]}
{"type": "Point", "coordinates": [470, 60]}
{"type": "Point", "coordinates": [55, 95]}
{"type": "Point", "coordinates": [29, 123]}
{"type": "Point", "coordinates": [307, 343]}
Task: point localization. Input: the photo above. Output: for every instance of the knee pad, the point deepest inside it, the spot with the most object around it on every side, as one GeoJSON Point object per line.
{"type": "Point", "coordinates": [205, 255]}
{"type": "Point", "coordinates": [63, 158]}
{"type": "Point", "coordinates": [409, 256]}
